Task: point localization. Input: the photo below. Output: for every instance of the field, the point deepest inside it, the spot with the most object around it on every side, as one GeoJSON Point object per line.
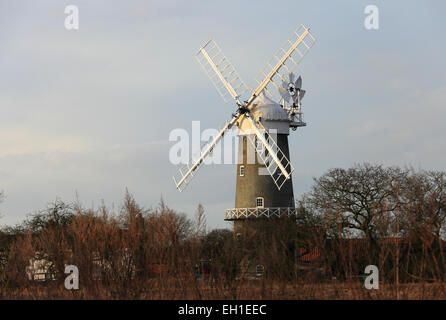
{"type": "Point", "coordinates": [251, 290]}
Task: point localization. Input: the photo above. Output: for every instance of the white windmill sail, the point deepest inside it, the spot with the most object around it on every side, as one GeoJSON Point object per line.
{"type": "Point", "coordinates": [188, 171]}
{"type": "Point", "coordinates": [229, 84]}
{"type": "Point", "coordinates": [221, 72]}
{"type": "Point", "coordinates": [283, 62]}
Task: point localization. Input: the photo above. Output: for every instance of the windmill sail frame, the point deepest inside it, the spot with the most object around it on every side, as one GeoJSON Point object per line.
{"type": "Point", "coordinates": [283, 62]}
{"type": "Point", "coordinates": [221, 72]}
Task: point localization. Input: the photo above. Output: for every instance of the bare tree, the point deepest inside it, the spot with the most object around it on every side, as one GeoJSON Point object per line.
{"type": "Point", "coordinates": [355, 200]}
{"type": "Point", "coordinates": [423, 200]}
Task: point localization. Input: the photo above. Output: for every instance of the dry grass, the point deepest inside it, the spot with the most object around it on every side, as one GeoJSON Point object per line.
{"type": "Point", "coordinates": [251, 290]}
{"type": "Point", "coordinates": [152, 254]}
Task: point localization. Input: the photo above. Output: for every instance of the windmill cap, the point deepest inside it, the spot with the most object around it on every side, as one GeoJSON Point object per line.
{"type": "Point", "coordinates": [267, 109]}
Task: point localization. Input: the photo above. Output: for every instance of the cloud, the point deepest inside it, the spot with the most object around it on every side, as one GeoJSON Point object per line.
{"type": "Point", "coordinates": [16, 141]}
{"type": "Point", "coordinates": [96, 173]}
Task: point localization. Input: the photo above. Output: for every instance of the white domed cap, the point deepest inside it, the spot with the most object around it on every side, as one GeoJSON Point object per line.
{"type": "Point", "coordinates": [268, 110]}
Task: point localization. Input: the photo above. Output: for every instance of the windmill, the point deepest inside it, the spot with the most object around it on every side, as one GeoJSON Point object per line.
{"type": "Point", "coordinates": [264, 187]}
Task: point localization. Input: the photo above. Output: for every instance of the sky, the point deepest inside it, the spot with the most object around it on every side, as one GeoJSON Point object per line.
{"type": "Point", "coordinates": [85, 114]}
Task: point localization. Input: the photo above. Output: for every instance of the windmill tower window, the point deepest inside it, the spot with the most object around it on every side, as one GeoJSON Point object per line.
{"type": "Point", "coordinates": [259, 146]}
{"type": "Point", "coordinates": [242, 171]}
{"type": "Point", "coordinates": [260, 202]}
